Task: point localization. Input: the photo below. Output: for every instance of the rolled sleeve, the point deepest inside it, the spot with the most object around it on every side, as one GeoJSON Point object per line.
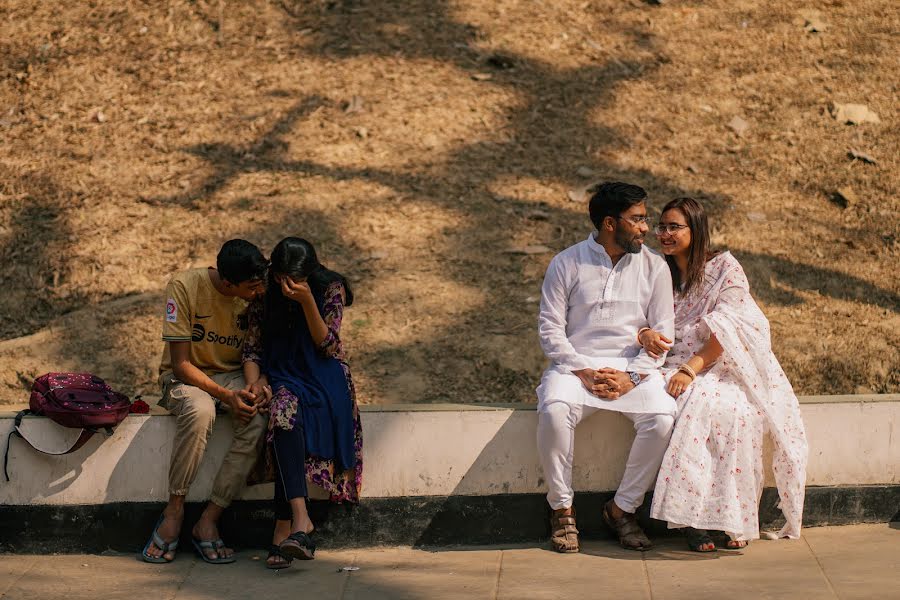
{"type": "Point", "coordinates": [177, 316]}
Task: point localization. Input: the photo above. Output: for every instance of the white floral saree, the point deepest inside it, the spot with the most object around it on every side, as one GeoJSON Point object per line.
{"type": "Point", "coordinates": [712, 475]}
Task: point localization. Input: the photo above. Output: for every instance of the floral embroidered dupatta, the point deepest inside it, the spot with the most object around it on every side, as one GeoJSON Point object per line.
{"type": "Point", "coordinates": [743, 331]}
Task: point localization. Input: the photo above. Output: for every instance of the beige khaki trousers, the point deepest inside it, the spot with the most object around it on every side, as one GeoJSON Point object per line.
{"type": "Point", "coordinates": [195, 413]}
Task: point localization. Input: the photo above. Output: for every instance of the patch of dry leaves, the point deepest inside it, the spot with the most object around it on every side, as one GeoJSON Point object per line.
{"type": "Point", "coordinates": [417, 143]}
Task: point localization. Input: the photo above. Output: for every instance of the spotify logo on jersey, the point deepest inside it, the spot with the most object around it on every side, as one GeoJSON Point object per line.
{"type": "Point", "coordinates": [198, 333]}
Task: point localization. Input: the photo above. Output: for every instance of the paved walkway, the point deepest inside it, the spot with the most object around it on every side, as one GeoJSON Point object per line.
{"type": "Point", "coordinates": [829, 562]}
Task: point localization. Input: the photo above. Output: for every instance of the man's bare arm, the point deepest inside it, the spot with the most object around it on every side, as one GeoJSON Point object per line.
{"type": "Point", "coordinates": [187, 373]}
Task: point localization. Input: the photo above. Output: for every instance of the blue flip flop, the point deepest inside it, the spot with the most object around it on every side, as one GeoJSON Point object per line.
{"type": "Point", "coordinates": [160, 543]}
{"type": "Point", "coordinates": [201, 546]}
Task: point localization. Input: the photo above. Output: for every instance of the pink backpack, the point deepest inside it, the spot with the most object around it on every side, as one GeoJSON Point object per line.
{"type": "Point", "coordinates": [79, 400]}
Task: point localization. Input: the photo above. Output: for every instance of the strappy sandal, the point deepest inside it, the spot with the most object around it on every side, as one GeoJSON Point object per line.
{"type": "Point", "coordinates": [697, 538]}
{"type": "Point", "coordinates": [563, 533]}
{"type": "Point", "coordinates": [630, 534]}
{"type": "Point", "coordinates": [275, 551]}
{"type": "Point", "coordinates": [735, 545]}
{"type": "Point", "coordinates": [298, 545]}
{"type": "Point", "coordinates": [724, 541]}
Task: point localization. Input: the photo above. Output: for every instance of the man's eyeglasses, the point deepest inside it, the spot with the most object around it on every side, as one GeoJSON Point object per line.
{"type": "Point", "coordinates": [670, 228]}
{"type": "Point", "coordinates": [636, 220]}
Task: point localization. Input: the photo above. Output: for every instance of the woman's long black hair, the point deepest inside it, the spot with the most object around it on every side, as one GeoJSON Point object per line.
{"type": "Point", "coordinates": [296, 258]}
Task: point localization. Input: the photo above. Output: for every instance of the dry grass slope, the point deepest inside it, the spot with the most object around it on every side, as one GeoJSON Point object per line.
{"type": "Point", "coordinates": [416, 142]}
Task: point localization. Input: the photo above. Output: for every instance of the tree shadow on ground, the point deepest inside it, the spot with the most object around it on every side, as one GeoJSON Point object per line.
{"type": "Point", "coordinates": [36, 256]}
{"type": "Point", "coordinates": [32, 251]}
{"type": "Point", "coordinates": [827, 282]}
{"type": "Point", "coordinates": [545, 136]}
{"type": "Point", "coordinates": [544, 139]}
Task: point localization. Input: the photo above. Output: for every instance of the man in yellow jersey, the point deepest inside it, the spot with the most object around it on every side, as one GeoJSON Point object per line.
{"type": "Point", "coordinates": [204, 329]}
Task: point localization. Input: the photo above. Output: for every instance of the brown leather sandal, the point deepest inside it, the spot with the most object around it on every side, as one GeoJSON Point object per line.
{"type": "Point", "coordinates": [631, 536]}
{"type": "Point", "coordinates": [563, 534]}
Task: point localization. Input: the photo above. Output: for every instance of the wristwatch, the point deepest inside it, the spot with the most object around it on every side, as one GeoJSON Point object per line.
{"type": "Point", "coordinates": [635, 378]}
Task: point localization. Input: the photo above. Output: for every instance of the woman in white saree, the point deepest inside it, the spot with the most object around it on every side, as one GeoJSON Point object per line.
{"type": "Point", "coordinates": [730, 392]}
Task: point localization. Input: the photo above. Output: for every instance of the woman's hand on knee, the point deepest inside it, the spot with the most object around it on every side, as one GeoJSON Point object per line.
{"type": "Point", "coordinates": [678, 383]}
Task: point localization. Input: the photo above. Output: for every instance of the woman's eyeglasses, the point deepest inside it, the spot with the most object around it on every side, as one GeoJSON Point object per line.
{"type": "Point", "coordinates": [670, 228]}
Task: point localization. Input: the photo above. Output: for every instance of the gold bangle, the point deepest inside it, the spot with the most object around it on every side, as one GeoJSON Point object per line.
{"type": "Point", "coordinates": [640, 331]}
{"type": "Point", "coordinates": [688, 370]}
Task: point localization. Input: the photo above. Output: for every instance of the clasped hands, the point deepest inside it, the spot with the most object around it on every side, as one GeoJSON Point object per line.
{"type": "Point", "coordinates": [606, 383]}
{"type": "Point", "coordinates": [253, 398]}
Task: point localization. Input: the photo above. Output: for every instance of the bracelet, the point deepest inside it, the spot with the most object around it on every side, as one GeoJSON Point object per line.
{"type": "Point", "coordinates": [688, 370]}
{"type": "Point", "coordinates": [640, 331]}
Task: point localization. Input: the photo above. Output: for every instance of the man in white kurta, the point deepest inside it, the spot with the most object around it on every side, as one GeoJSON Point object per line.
{"type": "Point", "coordinates": [596, 297]}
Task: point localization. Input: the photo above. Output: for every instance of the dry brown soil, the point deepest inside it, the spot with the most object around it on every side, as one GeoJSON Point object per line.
{"type": "Point", "coordinates": [419, 142]}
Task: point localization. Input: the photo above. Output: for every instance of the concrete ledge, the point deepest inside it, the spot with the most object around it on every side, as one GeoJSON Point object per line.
{"type": "Point", "coordinates": [414, 451]}
{"type": "Point", "coordinates": [10, 410]}
{"type": "Point", "coordinates": [410, 521]}
{"type": "Point", "coordinates": [433, 475]}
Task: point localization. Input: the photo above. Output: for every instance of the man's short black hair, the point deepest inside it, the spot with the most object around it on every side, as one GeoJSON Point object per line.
{"type": "Point", "coordinates": [239, 261]}
{"type": "Point", "coordinates": [611, 199]}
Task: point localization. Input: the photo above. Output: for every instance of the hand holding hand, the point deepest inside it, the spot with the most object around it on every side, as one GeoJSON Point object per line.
{"type": "Point", "coordinates": [242, 404]}
{"type": "Point", "coordinates": [678, 383]}
{"type": "Point", "coordinates": [263, 393]}
{"type": "Point", "coordinates": [654, 343]}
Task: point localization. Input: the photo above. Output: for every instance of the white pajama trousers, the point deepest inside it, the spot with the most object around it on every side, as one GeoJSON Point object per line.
{"type": "Point", "coordinates": [557, 420]}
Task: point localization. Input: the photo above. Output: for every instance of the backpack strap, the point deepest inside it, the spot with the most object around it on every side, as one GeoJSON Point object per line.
{"type": "Point", "coordinates": [16, 431]}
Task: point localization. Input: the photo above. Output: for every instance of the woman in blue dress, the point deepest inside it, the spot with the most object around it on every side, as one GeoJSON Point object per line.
{"type": "Point", "coordinates": [314, 428]}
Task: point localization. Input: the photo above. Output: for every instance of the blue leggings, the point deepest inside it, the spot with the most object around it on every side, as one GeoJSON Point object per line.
{"type": "Point", "coordinates": [290, 466]}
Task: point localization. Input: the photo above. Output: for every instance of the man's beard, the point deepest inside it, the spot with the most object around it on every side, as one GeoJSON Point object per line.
{"type": "Point", "coordinates": [630, 244]}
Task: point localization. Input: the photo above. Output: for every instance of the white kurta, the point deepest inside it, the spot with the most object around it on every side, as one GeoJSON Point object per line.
{"type": "Point", "coordinates": [712, 474]}
{"type": "Point", "coordinates": [590, 314]}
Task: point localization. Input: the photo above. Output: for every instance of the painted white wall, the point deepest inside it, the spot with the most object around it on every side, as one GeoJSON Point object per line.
{"type": "Point", "coordinates": [423, 451]}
